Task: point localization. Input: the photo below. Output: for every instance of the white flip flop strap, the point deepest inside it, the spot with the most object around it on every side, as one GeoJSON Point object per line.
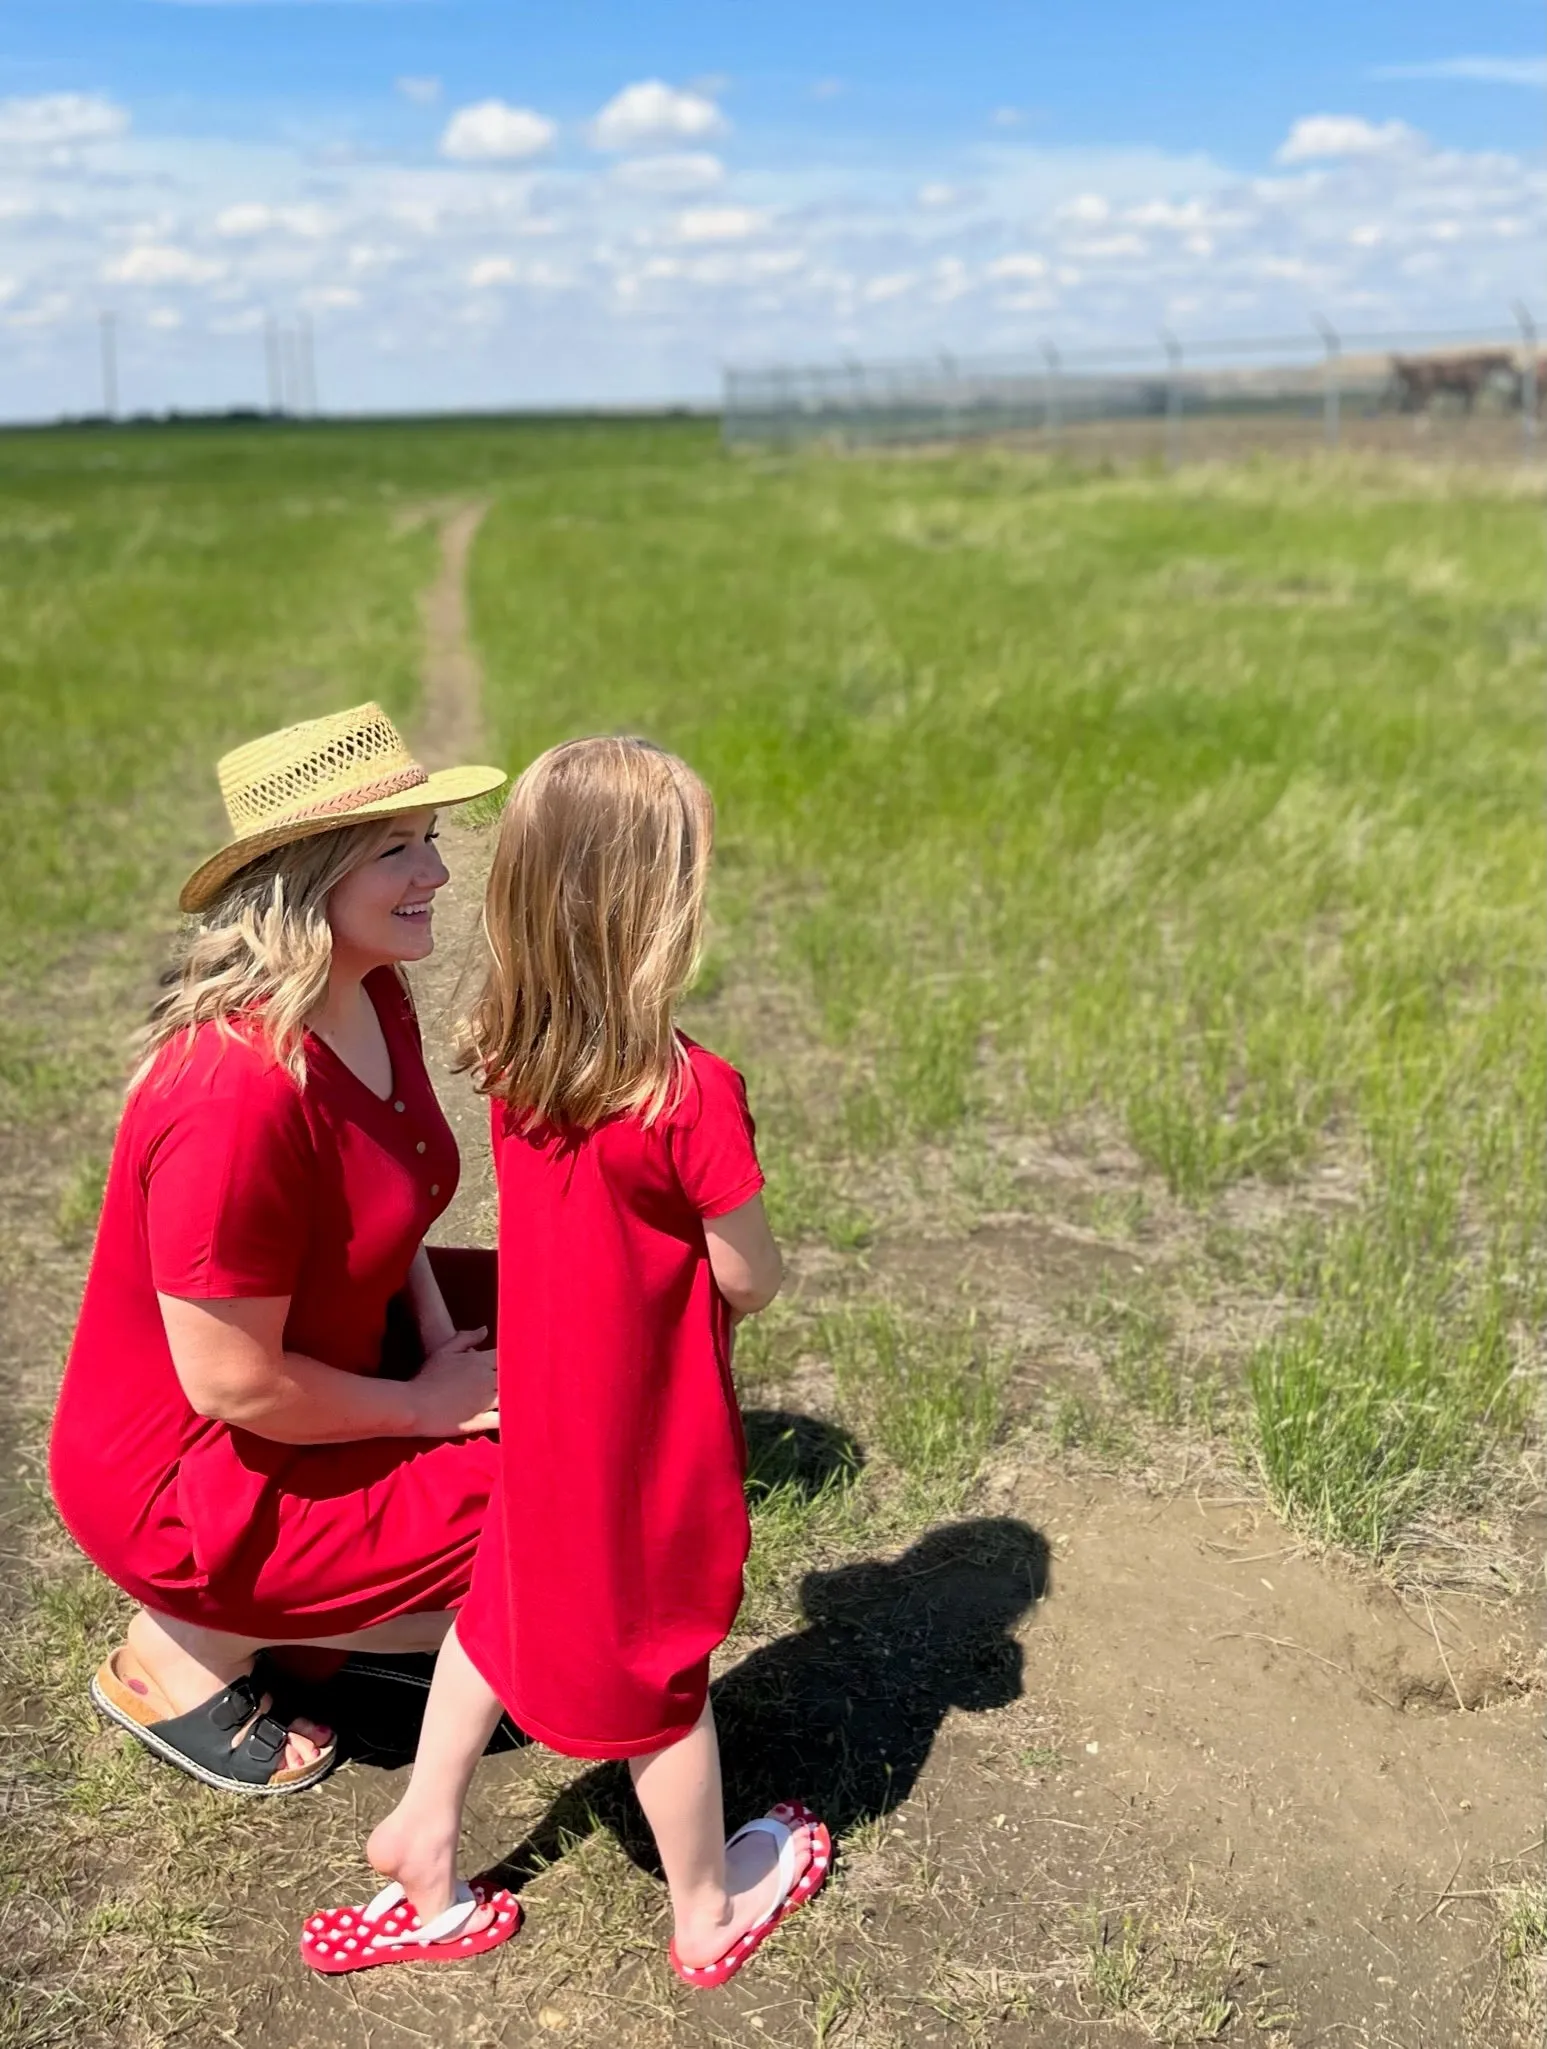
{"type": "Point", "coordinates": [455, 1918]}
{"type": "Point", "coordinates": [389, 1897]}
{"type": "Point", "coordinates": [784, 1836]}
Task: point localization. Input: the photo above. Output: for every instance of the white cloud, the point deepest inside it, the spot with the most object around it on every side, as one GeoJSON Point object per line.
{"type": "Point", "coordinates": [718, 224]}
{"type": "Point", "coordinates": [1021, 266]}
{"type": "Point", "coordinates": [935, 198]}
{"type": "Point", "coordinates": [1165, 213]}
{"type": "Point", "coordinates": [675, 173]}
{"type": "Point", "coordinates": [331, 298]}
{"type": "Point", "coordinates": [249, 220]}
{"type": "Point", "coordinates": [165, 319]}
{"type": "Point", "coordinates": [1368, 235]}
{"type": "Point", "coordinates": [1107, 248]}
{"type": "Point", "coordinates": [424, 92]}
{"type": "Point", "coordinates": [492, 132]}
{"type": "Point", "coordinates": [491, 270]}
{"type": "Point", "coordinates": [1088, 208]}
{"type": "Point", "coordinates": [60, 120]}
{"type": "Point", "coordinates": [880, 289]}
{"type": "Point", "coordinates": [1007, 117]}
{"type": "Point", "coordinates": [1527, 71]}
{"type": "Point", "coordinates": [1343, 135]}
{"type": "Point", "coordinates": [653, 115]}
{"type": "Point", "coordinates": [161, 263]}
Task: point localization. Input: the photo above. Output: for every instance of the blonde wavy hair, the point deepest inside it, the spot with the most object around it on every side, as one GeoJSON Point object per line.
{"type": "Point", "coordinates": [261, 948]}
{"type": "Point", "coordinates": [594, 922]}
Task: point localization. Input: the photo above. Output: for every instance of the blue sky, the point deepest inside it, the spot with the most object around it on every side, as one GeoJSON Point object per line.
{"type": "Point", "coordinates": [484, 204]}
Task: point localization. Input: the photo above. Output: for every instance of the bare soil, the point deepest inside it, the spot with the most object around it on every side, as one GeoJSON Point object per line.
{"type": "Point", "coordinates": [1105, 1761]}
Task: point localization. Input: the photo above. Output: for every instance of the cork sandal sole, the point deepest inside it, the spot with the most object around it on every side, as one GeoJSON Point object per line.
{"type": "Point", "coordinates": [126, 1694]}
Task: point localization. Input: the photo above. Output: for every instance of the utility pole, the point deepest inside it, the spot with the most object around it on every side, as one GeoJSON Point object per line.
{"type": "Point", "coordinates": [308, 353]}
{"type": "Point", "coordinates": [273, 365]}
{"type": "Point", "coordinates": [110, 365]}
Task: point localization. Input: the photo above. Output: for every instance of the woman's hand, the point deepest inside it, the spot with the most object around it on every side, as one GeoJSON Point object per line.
{"type": "Point", "coordinates": [453, 1392]}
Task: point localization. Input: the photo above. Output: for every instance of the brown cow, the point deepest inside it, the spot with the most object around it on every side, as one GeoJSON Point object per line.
{"type": "Point", "coordinates": [1416, 381]}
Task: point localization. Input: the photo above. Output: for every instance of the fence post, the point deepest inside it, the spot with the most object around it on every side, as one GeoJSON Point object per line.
{"type": "Point", "coordinates": [952, 394]}
{"type": "Point", "coordinates": [1052, 418]}
{"type": "Point", "coordinates": [1332, 395]}
{"type": "Point", "coordinates": [1528, 391]}
{"type": "Point", "coordinates": [1173, 349]}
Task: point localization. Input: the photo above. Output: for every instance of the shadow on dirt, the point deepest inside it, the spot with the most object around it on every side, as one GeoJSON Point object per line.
{"type": "Point", "coordinates": [844, 1713]}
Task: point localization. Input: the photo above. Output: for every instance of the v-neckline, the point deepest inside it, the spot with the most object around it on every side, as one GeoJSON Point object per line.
{"type": "Point", "coordinates": [386, 1037]}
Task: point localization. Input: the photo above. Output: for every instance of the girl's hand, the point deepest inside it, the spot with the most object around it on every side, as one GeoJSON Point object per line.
{"type": "Point", "coordinates": [454, 1390]}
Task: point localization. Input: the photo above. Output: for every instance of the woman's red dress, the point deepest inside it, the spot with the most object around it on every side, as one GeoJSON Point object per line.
{"type": "Point", "coordinates": [613, 1561]}
{"type": "Point", "coordinates": [227, 1181]}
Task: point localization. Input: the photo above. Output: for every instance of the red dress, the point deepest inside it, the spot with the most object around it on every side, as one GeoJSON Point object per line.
{"type": "Point", "coordinates": [226, 1182]}
{"type": "Point", "coordinates": [612, 1564]}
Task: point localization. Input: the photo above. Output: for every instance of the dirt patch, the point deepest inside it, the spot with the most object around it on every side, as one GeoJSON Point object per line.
{"type": "Point", "coordinates": [1279, 1728]}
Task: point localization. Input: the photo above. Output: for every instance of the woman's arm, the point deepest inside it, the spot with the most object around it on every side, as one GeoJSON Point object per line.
{"type": "Point", "coordinates": [429, 1304]}
{"type": "Point", "coordinates": [743, 1257]}
{"type": "Point", "coordinates": [231, 1361]}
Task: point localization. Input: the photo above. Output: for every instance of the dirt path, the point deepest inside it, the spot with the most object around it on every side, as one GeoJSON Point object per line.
{"type": "Point", "coordinates": [449, 730]}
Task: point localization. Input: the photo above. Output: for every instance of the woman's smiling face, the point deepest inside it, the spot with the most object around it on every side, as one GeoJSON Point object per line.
{"type": "Point", "coordinates": [383, 911]}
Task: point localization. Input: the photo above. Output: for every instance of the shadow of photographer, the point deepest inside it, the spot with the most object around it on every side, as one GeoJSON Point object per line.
{"type": "Point", "coordinates": [844, 1712]}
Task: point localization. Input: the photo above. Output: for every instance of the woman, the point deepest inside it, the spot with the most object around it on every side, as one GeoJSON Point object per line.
{"type": "Point", "coordinates": [271, 1425]}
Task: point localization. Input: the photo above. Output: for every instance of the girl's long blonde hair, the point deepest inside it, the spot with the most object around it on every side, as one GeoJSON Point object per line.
{"type": "Point", "coordinates": [594, 920]}
{"type": "Point", "coordinates": [263, 947]}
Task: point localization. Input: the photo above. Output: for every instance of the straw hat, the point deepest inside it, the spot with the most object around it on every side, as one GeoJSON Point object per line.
{"type": "Point", "coordinates": [317, 776]}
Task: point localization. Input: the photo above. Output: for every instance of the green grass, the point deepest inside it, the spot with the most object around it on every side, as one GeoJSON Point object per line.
{"type": "Point", "coordinates": [1197, 814]}
{"type": "Point", "coordinates": [166, 596]}
{"type": "Point", "coordinates": [1206, 808]}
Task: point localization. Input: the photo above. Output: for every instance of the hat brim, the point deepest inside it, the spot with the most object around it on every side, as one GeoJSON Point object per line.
{"type": "Point", "coordinates": [445, 786]}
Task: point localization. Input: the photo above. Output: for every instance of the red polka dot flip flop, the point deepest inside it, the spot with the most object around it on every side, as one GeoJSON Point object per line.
{"type": "Point", "coordinates": [388, 1931]}
{"type": "Point", "coordinates": [780, 1822]}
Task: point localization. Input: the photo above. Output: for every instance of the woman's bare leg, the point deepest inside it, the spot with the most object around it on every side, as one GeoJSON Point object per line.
{"type": "Point", "coordinates": [417, 1843]}
{"type": "Point", "coordinates": [189, 1663]}
{"type": "Point", "coordinates": [715, 1898]}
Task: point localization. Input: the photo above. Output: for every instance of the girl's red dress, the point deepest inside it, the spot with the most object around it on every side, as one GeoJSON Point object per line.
{"type": "Point", "coordinates": [227, 1182]}
{"type": "Point", "coordinates": [613, 1561]}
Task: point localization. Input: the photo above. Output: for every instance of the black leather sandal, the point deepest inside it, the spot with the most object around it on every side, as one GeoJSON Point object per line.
{"type": "Point", "coordinates": [199, 1742]}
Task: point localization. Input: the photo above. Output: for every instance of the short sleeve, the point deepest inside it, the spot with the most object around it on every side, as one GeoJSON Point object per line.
{"type": "Point", "coordinates": [228, 1180]}
{"type": "Point", "coordinates": [714, 1140]}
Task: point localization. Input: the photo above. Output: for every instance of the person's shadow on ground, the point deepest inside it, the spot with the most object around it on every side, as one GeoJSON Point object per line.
{"type": "Point", "coordinates": [844, 1713]}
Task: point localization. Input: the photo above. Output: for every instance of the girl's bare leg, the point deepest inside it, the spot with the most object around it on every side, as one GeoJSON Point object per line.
{"type": "Point", "coordinates": [715, 1899]}
{"type": "Point", "coordinates": [417, 1843]}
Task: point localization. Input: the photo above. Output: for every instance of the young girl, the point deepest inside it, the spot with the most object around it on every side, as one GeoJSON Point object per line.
{"type": "Point", "coordinates": [631, 1239]}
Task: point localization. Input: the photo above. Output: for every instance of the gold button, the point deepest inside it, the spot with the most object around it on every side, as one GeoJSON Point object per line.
{"type": "Point", "coordinates": [398, 1106]}
{"type": "Point", "coordinates": [435, 1188]}
{"type": "Point", "coordinates": [419, 1148]}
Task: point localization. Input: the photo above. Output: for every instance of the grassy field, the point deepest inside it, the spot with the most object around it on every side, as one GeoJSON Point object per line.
{"type": "Point", "coordinates": [1208, 811]}
{"type": "Point", "coordinates": [1127, 912]}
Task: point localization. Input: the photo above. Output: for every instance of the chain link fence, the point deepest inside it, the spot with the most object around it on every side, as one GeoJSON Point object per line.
{"type": "Point", "coordinates": [1444, 393]}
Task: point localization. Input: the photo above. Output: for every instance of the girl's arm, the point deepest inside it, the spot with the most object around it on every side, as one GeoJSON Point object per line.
{"type": "Point", "coordinates": [230, 1358]}
{"type": "Point", "coordinates": [429, 1304]}
{"type": "Point", "coordinates": [743, 1257]}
